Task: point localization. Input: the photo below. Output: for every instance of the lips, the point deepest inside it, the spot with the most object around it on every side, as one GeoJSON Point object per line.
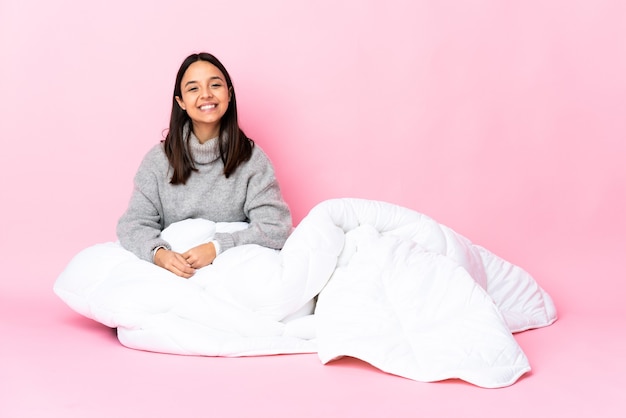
{"type": "Point", "coordinates": [208, 106]}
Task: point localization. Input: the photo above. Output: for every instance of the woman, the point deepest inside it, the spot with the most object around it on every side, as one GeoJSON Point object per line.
{"type": "Point", "coordinates": [205, 168]}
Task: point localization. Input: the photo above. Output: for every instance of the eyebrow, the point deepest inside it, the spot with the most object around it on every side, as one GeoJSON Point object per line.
{"type": "Point", "coordinates": [215, 77]}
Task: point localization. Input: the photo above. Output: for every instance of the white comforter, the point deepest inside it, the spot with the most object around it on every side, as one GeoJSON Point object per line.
{"type": "Point", "coordinates": [358, 278]}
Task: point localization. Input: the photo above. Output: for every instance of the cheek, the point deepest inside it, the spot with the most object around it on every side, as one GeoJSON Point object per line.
{"type": "Point", "coordinates": [187, 98]}
{"type": "Point", "coordinates": [225, 101]}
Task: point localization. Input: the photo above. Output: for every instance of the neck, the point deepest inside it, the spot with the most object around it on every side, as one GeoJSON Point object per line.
{"type": "Point", "coordinates": [205, 133]}
{"type": "Point", "coordinates": [203, 152]}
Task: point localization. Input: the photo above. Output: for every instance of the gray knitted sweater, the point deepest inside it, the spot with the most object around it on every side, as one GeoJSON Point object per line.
{"type": "Point", "coordinates": [250, 194]}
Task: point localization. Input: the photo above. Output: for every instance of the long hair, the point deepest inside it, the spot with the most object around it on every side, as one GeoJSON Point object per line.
{"type": "Point", "coordinates": [234, 146]}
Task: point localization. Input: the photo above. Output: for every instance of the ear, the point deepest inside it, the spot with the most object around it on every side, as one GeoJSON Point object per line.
{"type": "Point", "coordinates": [230, 93]}
{"type": "Point", "coordinates": [180, 102]}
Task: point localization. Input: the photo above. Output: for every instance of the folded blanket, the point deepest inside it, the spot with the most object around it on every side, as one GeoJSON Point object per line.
{"type": "Point", "coordinates": [358, 278]}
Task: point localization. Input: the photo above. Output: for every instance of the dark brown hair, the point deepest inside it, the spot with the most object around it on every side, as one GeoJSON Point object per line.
{"type": "Point", "coordinates": [235, 147]}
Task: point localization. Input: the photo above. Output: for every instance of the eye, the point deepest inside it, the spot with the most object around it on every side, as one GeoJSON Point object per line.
{"type": "Point", "coordinates": [215, 85]}
{"type": "Point", "coordinates": [193, 89]}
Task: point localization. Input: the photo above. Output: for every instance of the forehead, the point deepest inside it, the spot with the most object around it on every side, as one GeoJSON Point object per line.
{"type": "Point", "coordinates": [200, 71]}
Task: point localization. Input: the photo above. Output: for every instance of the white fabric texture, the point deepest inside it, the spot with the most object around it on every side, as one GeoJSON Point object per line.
{"type": "Point", "coordinates": [358, 278]}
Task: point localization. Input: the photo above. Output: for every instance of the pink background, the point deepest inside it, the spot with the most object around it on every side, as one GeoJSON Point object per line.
{"type": "Point", "coordinates": [504, 120]}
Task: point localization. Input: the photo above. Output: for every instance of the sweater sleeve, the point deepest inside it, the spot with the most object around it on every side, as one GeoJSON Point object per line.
{"type": "Point", "coordinates": [139, 228]}
{"type": "Point", "coordinates": [268, 215]}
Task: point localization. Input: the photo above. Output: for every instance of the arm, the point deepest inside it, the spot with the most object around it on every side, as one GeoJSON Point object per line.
{"type": "Point", "coordinates": [139, 228]}
{"type": "Point", "coordinates": [267, 212]}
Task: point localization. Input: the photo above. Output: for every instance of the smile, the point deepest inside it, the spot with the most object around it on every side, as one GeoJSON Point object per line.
{"type": "Point", "coordinates": [208, 107]}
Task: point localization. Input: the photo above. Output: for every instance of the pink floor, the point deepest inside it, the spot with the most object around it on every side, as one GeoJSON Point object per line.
{"type": "Point", "coordinates": [55, 363]}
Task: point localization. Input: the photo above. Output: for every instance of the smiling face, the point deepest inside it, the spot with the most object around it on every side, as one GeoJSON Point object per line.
{"type": "Point", "coordinates": [205, 97]}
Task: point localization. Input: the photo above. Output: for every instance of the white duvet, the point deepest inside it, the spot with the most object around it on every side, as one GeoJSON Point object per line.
{"type": "Point", "coordinates": [357, 278]}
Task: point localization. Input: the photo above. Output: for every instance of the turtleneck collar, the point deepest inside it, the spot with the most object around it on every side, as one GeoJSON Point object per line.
{"type": "Point", "coordinates": [203, 153]}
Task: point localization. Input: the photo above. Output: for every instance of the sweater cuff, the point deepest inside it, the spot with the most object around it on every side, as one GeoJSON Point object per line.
{"type": "Point", "coordinates": [217, 246]}
{"type": "Point", "coordinates": [224, 240]}
{"type": "Point", "coordinates": [154, 251]}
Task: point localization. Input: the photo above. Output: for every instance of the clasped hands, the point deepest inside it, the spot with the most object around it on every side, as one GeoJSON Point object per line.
{"type": "Point", "coordinates": [185, 264]}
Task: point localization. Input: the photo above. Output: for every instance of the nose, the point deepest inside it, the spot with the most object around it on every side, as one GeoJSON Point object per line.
{"type": "Point", "coordinates": [206, 92]}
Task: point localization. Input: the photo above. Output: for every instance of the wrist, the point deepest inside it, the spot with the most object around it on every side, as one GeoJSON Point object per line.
{"type": "Point", "coordinates": [216, 246]}
{"type": "Point", "coordinates": [154, 252]}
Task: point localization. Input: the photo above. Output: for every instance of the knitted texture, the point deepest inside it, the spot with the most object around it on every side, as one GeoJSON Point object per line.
{"type": "Point", "coordinates": [251, 194]}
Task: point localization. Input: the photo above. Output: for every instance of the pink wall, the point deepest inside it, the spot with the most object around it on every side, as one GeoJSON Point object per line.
{"type": "Point", "coordinates": [503, 120]}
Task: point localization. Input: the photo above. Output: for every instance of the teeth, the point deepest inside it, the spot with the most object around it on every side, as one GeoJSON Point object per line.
{"type": "Point", "coordinates": [207, 107]}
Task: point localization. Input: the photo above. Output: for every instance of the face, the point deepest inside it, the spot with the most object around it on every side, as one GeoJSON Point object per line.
{"type": "Point", "coordinates": [205, 98]}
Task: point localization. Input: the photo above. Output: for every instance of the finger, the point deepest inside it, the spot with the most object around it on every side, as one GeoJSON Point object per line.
{"type": "Point", "coordinates": [182, 270]}
{"type": "Point", "coordinates": [184, 266]}
{"type": "Point", "coordinates": [173, 269]}
{"type": "Point", "coordinates": [191, 261]}
{"type": "Point", "coordinates": [179, 266]}
{"type": "Point", "coordinates": [186, 269]}
{"type": "Point", "coordinates": [181, 260]}
{"type": "Point", "coordinates": [183, 274]}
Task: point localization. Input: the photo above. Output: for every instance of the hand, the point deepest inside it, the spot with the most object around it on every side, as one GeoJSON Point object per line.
{"type": "Point", "coordinates": [173, 262]}
{"type": "Point", "coordinates": [200, 256]}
